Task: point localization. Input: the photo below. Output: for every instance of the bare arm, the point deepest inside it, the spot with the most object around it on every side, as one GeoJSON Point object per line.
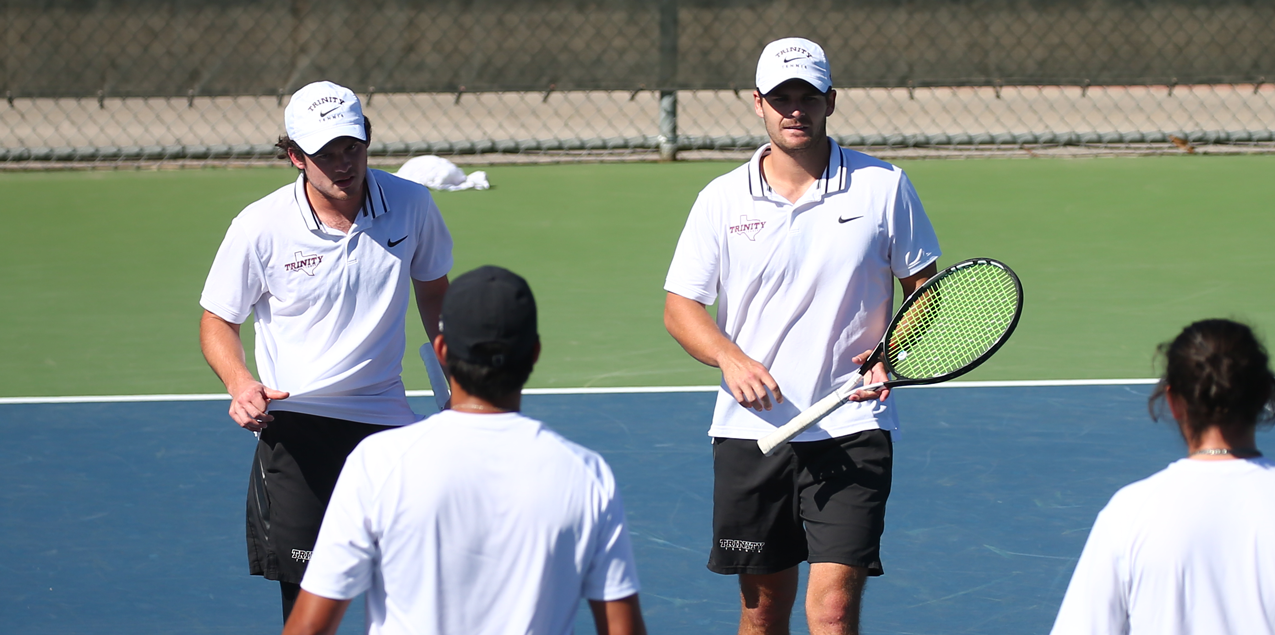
{"type": "Point", "coordinates": [747, 379]}
{"type": "Point", "coordinates": [429, 302]}
{"type": "Point", "coordinates": [249, 398]}
{"type": "Point", "coordinates": [315, 615]}
{"type": "Point", "coordinates": [915, 280]}
{"type": "Point", "coordinates": [878, 375]}
{"type": "Point", "coordinates": [618, 617]}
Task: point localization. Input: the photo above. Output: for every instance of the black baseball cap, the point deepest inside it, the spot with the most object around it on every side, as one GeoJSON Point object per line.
{"type": "Point", "coordinates": [489, 317]}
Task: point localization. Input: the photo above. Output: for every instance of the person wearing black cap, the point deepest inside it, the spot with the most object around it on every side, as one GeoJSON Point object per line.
{"type": "Point", "coordinates": [477, 519]}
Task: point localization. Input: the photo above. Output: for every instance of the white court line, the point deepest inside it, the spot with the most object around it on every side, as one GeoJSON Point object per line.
{"type": "Point", "coordinates": [1039, 382]}
{"type": "Point", "coordinates": [112, 399]}
{"type": "Point", "coordinates": [617, 391]}
{"type": "Point", "coordinates": [576, 391]}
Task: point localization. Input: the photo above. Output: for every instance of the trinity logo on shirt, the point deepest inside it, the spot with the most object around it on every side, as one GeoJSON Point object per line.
{"type": "Point", "coordinates": [741, 545]}
{"type": "Point", "coordinates": [747, 227]}
{"type": "Point", "coordinates": [301, 555]}
{"type": "Point", "coordinates": [305, 264]}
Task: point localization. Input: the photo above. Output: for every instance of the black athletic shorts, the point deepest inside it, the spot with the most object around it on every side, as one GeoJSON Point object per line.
{"type": "Point", "coordinates": [822, 501]}
{"type": "Point", "coordinates": [298, 459]}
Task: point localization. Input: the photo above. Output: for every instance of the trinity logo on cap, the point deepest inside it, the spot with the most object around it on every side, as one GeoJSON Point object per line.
{"type": "Point", "coordinates": [321, 112]}
{"type": "Point", "coordinates": [793, 58]}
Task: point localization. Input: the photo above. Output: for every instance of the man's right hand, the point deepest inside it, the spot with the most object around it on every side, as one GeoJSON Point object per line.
{"type": "Point", "coordinates": [249, 405]}
{"type": "Point", "coordinates": [749, 381]}
{"type": "Point", "coordinates": [249, 399]}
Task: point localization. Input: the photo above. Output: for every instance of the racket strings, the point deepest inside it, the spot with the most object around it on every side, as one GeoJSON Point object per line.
{"type": "Point", "coordinates": [954, 322]}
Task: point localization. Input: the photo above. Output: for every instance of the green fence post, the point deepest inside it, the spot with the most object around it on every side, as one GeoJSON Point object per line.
{"type": "Point", "coordinates": [668, 79]}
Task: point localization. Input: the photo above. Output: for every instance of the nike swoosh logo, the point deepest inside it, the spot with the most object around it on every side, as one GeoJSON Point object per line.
{"type": "Point", "coordinates": [324, 114]}
{"type": "Point", "coordinates": [846, 220]}
{"type": "Point", "coordinates": [793, 59]}
{"type": "Point", "coordinates": [395, 242]}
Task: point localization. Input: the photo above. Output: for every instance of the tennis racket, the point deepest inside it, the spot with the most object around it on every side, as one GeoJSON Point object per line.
{"type": "Point", "coordinates": [437, 379]}
{"type": "Point", "coordinates": [946, 328]}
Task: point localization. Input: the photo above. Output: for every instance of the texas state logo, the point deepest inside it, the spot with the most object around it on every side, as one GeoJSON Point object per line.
{"type": "Point", "coordinates": [303, 263]}
{"type": "Point", "coordinates": [747, 227]}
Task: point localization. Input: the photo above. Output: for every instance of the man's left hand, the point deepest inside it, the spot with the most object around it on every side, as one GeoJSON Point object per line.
{"type": "Point", "coordinates": [875, 376]}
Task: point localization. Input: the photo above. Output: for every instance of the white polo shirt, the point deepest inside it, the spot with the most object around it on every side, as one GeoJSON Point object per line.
{"type": "Point", "coordinates": [469, 523]}
{"type": "Point", "coordinates": [329, 306]}
{"type": "Point", "coordinates": [804, 287]}
{"type": "Point", "coordinates": [1190, 550]}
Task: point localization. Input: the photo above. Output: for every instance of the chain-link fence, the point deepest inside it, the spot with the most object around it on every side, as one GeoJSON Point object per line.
{"type": "Point", "coordinates": [143, 80]}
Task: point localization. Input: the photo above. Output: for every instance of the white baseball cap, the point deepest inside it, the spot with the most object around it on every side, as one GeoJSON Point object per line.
{"type": "Point", "coordinates": [793, 58]}
{"type": "Point", "coordinates": [321, 112]}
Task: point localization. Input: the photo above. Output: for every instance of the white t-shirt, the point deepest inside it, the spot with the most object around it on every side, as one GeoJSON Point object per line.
{"type": "Point", "coordinates": [1189, 550]}
{"type": "Point", "coordinates": [803, 287]}
{"type": "Point", "coordinates": [329, 307]}
{"type": "Point", "coordinates": [469, 523]}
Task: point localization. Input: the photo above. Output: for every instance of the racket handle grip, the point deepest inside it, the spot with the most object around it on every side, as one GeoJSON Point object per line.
{"type": "Point", "coordinates": [871, 387]}
{"type": "Point", "coordinates": [808, 417]}
{"type": "Point", "coordinates": [437, 378]}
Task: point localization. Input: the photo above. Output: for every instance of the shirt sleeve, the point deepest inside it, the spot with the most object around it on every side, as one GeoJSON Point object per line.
{"type": "Point", "coordinates": [433, 257]}
{"type": "Point", "coordinates": [236, 280]}
{"type": "Point", "coordinates": [612, 571]}
{"type": "Point", "coordinates": [696, 262]}
{"type": "Point", "coordinates": [913, 243]}
{"type": "Point", "coordinates": [1097, 599]}
{"type": "Point", "coordinates": [347, 550]}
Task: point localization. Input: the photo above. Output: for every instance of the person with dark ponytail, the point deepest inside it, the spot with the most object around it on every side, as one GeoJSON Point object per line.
{"type": "Point", "coordinates": [1192, 548]}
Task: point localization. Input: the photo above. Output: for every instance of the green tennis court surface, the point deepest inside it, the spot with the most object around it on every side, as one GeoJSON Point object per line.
{"type": "Point", "coordinates": [102, 271]}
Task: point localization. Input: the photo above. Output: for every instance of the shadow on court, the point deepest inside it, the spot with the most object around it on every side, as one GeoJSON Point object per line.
{"type": "Point", "coordinates": [128, 517]}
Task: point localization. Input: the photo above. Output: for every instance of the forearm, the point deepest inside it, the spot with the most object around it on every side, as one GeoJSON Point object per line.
{"type": "Point", "coordinates": [910, 283]}
{"type": "Point", "coordinates": [429, 303]}
{"type": "Point", "coordinates": [315, 615]}
{"type": "Point", "coordinates": [690, 324]}
{"type": "Point", "coordinates": [747, 379]}
{"type": "Point", "coordinates": [223, 349]}
{"type": "Point", "coordinates": [618, 617]}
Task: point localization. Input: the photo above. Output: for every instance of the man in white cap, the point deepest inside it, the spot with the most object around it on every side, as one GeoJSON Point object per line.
{"type": "Point", "coordinates": [799, 248]}
{"type": "Point", "coordinates": [325, 266]}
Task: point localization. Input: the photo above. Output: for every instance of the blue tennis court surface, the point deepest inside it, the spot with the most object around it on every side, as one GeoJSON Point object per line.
{"type": "Point", "coordinates": [128, 517]}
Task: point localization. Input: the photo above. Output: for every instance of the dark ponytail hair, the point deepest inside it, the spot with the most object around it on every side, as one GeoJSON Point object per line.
{"type": "Point", "coordinates": [1222, 374]}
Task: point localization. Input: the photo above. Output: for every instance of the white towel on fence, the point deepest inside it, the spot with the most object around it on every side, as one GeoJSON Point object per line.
{"type": "Point", "coordinates": [438, 173]}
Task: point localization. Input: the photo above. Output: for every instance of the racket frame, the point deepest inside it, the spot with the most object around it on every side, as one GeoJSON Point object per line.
{"type": "Point", "coordinates": [839, 397]}
{"type": "Point", "coordinates": [916, 295]}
